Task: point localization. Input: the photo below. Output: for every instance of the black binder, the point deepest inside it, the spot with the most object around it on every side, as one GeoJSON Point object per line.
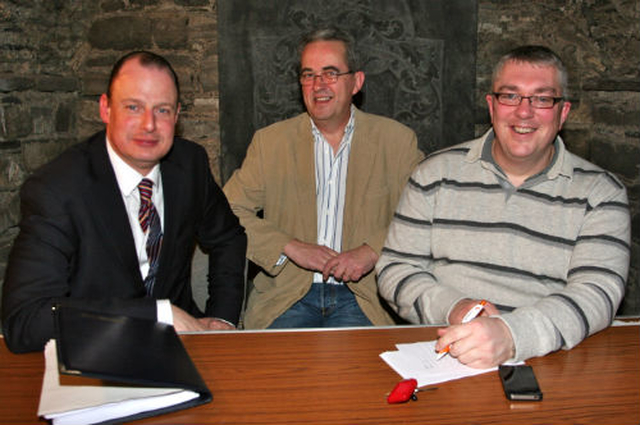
{"type": "Point", "coordinates": [126, 350]}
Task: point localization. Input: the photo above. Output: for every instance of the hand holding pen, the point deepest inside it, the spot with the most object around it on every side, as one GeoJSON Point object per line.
{"type": "Point", "coordinates": [471, 314]}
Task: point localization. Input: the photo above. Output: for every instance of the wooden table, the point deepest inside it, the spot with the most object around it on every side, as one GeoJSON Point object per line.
{"type": "Point", "coordinates": [337, 377]}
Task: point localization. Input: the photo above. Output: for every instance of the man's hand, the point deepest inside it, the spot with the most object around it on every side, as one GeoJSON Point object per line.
{"type": "Point", "coordinates": [308, 256]}
{"type": "Point", "coordinates": [351, 265]}
{"type": "Point", "coordinates": [184, 322]}
{"type": "Point", "coordinates": [213, 324]}
{"type": "Point", "coordinates": [482, 343]}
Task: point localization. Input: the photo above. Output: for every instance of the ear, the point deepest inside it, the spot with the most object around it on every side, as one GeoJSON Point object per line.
{"type": "Point", "coordinates": [177, 113]}
{"type": "Point", "coordinates": [490, 98]}
{"type": "Point", "coordinates": [564, 114]}
{"type": "Point", "coordinates": [359, 81]}
{"type": "Point", "coordinates": [104, 108]}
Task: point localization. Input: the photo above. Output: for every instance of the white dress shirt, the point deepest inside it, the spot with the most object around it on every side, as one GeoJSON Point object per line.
{"type": "Point", "coordinates": [128, 180]}
{"type": "Point", "coordinates": [331, 186]}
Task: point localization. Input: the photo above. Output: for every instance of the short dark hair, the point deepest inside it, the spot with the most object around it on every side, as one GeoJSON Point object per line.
{"type": "Point", "coordinates": [536, 55]}
{"type": "Point", "coordinates": [333, 34]}
{"type": "Point", "coordinates": [147, 59]}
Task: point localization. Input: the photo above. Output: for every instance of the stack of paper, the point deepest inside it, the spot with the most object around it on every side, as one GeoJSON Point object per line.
{"type": "Point", "coordinates": [90, 404]}
{"type": "Point", "coordinates": [104, 368]}
{"type": "Point", "coordinates": [418, 360]}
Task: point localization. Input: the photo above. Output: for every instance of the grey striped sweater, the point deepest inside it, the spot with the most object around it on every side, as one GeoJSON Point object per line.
{"type": "Point", "coordinates": [552, 254]}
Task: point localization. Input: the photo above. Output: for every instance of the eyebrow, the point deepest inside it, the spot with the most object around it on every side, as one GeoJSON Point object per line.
{"type": "Point", "coordinates": [513, 88]}
{"type": "Point", "coordinates": [326, 68]}
{"type": "Point", "coordinates": [134, 100]}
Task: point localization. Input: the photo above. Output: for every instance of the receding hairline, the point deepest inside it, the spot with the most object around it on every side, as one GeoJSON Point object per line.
{"type": "Point", "coordinates": [330, 34]}
{"type": "Point", "coordinates": [145, 59]}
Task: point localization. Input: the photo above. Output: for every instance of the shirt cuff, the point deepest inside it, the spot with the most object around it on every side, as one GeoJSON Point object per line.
{"type": "Point", "coordinates": [165, 315]}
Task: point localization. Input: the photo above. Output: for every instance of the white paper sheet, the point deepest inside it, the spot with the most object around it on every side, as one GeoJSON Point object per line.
{"type": "Point", "coordinates": [418, 360]}
{"type": "Point", "coordinates": [82, 404]}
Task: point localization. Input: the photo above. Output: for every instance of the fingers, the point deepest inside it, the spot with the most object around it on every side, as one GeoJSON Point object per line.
{"type": "Point", "coordinates": [351, 265]}
{"type": "Point", "coordinates": [482, 343]}
{"type": "Point", "coordinates": [342, 268]}
{"type": "Point", "coordinates": [184, 322]}
{"type": "Point", "coordinates": [490, 310]}
{"type": "Point", "coordinates": [214, 324]}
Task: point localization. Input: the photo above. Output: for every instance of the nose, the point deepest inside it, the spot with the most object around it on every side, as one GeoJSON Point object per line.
{"type": "Point", "coordinates": [318, 81]}
{"type": "Point", "coordinates": [524, 109]}
{"type": "Point", "coordinates": [149, 120]}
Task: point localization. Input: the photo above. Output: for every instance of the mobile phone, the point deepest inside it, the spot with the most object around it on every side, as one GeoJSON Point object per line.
{"type": "Point", "coordinates": [519, 383]}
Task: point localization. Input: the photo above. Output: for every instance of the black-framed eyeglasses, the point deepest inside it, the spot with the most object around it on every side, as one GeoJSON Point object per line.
{"type": "Point", "coordinates": [328, 76]}
{"type": "Point", "coordinates": [539, 102]}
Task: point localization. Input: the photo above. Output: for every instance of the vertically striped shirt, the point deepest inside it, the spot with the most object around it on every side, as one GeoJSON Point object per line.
{"type": "Point", "coordinates": [552, 254]}
{"type": "Point", "coordinates": [331, 185]}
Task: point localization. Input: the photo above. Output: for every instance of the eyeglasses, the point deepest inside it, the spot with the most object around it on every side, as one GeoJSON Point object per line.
{"type": "Point", "coordinates": [539, 102]}
{"type": "Point", "coordinates": [328, 76]}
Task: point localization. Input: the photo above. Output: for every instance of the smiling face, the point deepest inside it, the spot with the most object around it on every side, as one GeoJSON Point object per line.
{"type": "Point", "coordinates": [141, 114]}
{"type": "Point", "coordinates": [329, 104]}
{"type": "Point", "coordinates": [523, 134]}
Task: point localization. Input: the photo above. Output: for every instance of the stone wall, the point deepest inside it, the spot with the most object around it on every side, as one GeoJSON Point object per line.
{"type": "Point", "coordinates": [55, 57]}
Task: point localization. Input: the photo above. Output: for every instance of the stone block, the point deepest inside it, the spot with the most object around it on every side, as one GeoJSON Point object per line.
{"type": "Point", "coordinates": [192, 2]}
{"type": "Point", "coordinates": [56, 83]}
{"type": "Point", "coordinates": [619, 158]}
{"type": "Point", "coordinates": [142, 3]}
{"type": "Point", "coordinates": [64, 118]}
{"type": "Point", "coordinates": [10, 207]}
{"type": "Point", "coordinates": [16, 121]}
{"type": "Point", "coordinates": [112, 5]}
{"type": "Point", "coordinates": [209, 75]}
{"type": "Point", "coordinates": [38, 153]}
{"type": "Point", "coordinates": [121, 33]}
{"type": "Point", "coordinates": [171, 32]}
{"type": "Point", "coordinates": [43, 120]}
{"type": "Point", "coordinates": [94, 83]}
{"type": "Point", "coordinates": [199, 129]}
{"type": "Point", "coordinates": [12, 172]}
{"type": "Point", "coordinates": [577, 141]}
{"type": "Point", "coordinates": [10, 83]}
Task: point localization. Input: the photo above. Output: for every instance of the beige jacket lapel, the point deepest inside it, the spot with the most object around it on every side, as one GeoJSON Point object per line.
{"type": "Point", "coordinates": [361, 158]}
{"type": "Point", "coordinates": [305, 180]}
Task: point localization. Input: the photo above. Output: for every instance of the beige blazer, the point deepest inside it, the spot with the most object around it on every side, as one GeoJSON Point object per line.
{"type": "Point", "coordinates": [278, 177]}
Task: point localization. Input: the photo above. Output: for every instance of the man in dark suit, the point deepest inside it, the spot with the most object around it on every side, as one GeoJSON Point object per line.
{"type": "Point", "coordinates": [92, 234]}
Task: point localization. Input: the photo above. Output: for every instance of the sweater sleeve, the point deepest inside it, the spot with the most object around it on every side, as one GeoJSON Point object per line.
{"type": "Point", "coordinates": [596, 280]}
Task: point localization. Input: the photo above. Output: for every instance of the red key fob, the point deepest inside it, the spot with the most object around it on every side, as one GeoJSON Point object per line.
{"type": "Point", "coordinates": [403, 391]}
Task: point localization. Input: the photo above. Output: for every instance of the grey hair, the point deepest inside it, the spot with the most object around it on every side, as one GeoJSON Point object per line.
{"type": "Point", "coordinates": [535, 55]}
{"type": "Point", "coordinates": [333, 34]}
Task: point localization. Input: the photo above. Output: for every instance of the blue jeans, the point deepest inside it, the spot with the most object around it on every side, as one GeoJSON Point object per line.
{"type": "Point", "coordinates": [324, 306]}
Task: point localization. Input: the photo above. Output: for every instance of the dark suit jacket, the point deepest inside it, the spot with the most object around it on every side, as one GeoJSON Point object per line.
{"type": "Point", "coordinates": [75, 244]}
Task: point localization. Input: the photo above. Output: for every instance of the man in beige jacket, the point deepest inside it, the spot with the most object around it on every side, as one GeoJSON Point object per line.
{"type": "Point", "coordinates": [327, 183]}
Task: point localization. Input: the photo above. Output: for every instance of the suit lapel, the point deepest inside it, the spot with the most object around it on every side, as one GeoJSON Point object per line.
{"type": "Point", "coordinates": [361, 159]}
{"type": "Point", "coordinates": [305, 181]}
{"type": "Point", "coordinates": [175, 192]}
{"type": "Point", "coordinates": [104, 202]}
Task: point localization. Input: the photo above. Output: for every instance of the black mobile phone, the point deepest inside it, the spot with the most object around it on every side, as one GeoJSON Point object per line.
{"type": "Point", "coordinates": [519, 383]}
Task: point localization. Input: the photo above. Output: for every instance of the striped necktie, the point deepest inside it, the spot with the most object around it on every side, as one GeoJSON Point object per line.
{"type": "Point", "coordinates": [149, 220]}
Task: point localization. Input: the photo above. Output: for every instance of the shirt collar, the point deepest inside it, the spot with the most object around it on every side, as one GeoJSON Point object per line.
{"type": "Point", "coordinates": [558, 165]}
{"type": "Point", "coordinates": [348, 130]}
{"type": "Point", "coordinates": [128, 178]}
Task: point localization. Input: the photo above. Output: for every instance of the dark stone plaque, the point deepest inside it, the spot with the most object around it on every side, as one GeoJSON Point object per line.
{"type": "Point", "coordinates": [418, 57]}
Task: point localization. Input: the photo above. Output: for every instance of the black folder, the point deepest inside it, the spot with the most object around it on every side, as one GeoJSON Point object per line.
{"type": "Point", "coordinates": [126, 350]}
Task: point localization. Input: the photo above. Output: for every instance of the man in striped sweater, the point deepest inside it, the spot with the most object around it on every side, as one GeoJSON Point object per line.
{"type": "Point", "coordinates": [513, 218]}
